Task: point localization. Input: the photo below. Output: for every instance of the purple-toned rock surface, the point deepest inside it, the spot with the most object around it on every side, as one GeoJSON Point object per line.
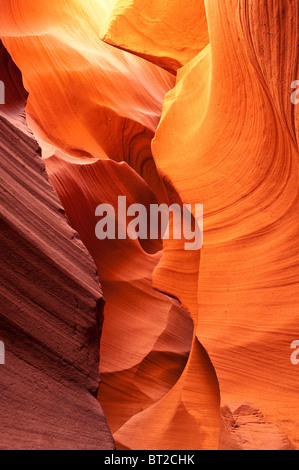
{"type": "Point", "coordinates": [51, 313]}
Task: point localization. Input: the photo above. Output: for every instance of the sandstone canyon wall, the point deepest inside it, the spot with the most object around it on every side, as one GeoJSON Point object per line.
{"type": "Point", "coordinates": [161, 103]}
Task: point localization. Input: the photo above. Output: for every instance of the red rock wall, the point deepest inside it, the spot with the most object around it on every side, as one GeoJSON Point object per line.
{"type": "Point", "coordinates": [51, 313]}
{"type": "Point", "coordinates": [190, 105]}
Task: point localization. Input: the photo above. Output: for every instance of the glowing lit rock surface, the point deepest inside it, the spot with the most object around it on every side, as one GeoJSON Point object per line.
{"type": "Point", "coordinates": [227, 138]}
{"type": "Point", "coordinates": [167, 33]}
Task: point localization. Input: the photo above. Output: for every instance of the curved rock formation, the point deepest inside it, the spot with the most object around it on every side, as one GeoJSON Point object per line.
{"type": "Point", "coordinates": [154, 341]}
{"type": "Point", "coordinates": [240, 159]}
{"type": "Point", "coordinates": [89, 83]}
{"type": "Point", "coordinates": [186, 335]}
{"type": "Point", "coordinates": [146, 336]}
{"type": "Point", "coordinates": [166, 33]}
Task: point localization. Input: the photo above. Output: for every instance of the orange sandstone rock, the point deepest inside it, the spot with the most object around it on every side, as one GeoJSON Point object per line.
{"type": "Point", "coordinates": [167, 33]}
{"type": "Point", "coordinates": [159, 389]}
{"type": "Point", "coordinates": [92, 93]}
{"type": "Point", "coordinates": [228, 139]}
{"type": "Point", "coordinates": [236, 153]}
